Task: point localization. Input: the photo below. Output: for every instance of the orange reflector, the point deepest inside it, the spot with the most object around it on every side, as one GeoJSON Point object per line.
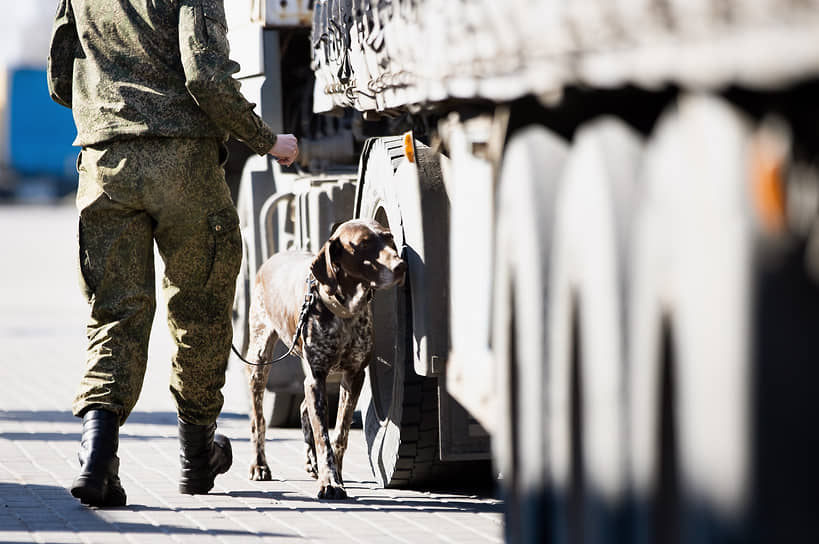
{"type": "Point", "coordinates": [767, 171]}
{"type": "Point", "coordinates": [409, 147]}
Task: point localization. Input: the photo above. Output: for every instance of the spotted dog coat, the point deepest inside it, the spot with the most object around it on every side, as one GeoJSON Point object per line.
{"type": "Point", "coordinates": [358, 258]}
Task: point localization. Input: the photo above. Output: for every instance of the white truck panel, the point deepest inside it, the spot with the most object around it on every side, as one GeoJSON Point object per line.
{"type": "Point", "coordinates": [423, 53]}
{"type": "Point", "coordinates": [280, 13]}
{"type": "Point", "coordinates": [269, 13]}
{"type": "Point", "coordinates": [246, 43]}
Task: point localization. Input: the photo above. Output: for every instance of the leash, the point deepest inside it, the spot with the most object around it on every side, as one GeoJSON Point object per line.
{"type": "Point", "coordinates": [309, 298]}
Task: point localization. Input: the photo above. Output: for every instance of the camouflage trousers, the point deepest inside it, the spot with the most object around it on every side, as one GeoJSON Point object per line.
{"type": "Point", "coordinates": [171, 190]}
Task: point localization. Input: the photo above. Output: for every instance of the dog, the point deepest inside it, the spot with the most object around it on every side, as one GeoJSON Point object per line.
{"type": "Point", "coordinates": [323, 302]}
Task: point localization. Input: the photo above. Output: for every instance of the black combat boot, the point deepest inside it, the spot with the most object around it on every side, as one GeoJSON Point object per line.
{"type": "Point", "coordinates": [203, 455]}
{"type": "Point", "coordinates": [98, 483]}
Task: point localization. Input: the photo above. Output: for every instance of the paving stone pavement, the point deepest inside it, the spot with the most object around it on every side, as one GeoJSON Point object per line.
{"type": "Point", "coordinates": [41, 354]}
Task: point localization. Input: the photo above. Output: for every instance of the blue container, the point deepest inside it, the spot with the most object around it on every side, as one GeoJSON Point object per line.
{"type": "Point", "coordinates": [40, 130]}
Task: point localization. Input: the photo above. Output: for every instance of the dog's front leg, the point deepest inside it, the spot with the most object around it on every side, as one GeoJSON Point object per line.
{"type": "Point", "coordinates": [315, 395]}
{"type": "Point", "coordinates": [350, 389]}
{"type": "Point", "coordinates": [310, 464]}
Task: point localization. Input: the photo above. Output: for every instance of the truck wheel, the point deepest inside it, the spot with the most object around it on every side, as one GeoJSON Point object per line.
{"type": "Point", "coordinates": [532, 163]}
{"type": "Point", "coordinates": [586, 354]}
{"type": "Point", "coordinates": [401, 419]}
{"type": "Point", "coordinates": [690, 339]}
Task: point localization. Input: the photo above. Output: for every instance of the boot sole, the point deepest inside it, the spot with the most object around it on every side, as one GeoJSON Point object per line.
{"type": "Point", "coordinates": [88, 491]}
{"type": "Point", "coordinates": [92, 493]}
{"type": "Point", "coordinates": [197, 486]}
{"type": "Point", "coordinates": [187, 488]}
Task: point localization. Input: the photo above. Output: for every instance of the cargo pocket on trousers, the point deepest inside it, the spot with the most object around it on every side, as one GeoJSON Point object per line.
{"type": "Point", "coordinates": [227, 251]}
{"type": "Point", "coordinates": [84, 272]}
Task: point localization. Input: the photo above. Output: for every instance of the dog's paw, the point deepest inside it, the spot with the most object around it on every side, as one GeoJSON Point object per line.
{"type": "Point", "coordinates": [332, 493]}
{"type": "Point", "coordinates": [310, 469]}
{"type": "Point", "coordinates": [260, 473]}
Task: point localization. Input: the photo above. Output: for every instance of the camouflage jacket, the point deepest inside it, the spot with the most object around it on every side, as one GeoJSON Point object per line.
{"type": "Point", "coordinates": [149, 68]}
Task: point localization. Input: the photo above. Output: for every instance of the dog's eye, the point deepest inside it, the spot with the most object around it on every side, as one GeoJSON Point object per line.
{"type": "Point", "coordinates": [362, 245]}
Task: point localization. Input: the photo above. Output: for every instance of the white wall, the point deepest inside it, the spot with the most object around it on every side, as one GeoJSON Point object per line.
{"type": "Point", "coordinates": [25, 30]}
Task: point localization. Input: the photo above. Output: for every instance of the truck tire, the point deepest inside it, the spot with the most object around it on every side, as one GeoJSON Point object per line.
{"type": "Point", "coordinates": [586, 354]}
{"type": "Point", "coordinates": [690, 335]}
{"type": "Point", "coordinates": [401, 419]}
{"type": "Point", "coordinates": [532, 163]}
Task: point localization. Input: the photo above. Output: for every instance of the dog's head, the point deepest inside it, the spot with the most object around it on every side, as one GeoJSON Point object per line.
{"type": "Point", "coordinates": [360, 251]}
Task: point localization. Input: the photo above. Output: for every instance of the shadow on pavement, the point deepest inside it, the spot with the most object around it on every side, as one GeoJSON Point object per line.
{"type": "Point", "coordinates": [23, 507]}
{"type": "Point", "coordinates": [357, 502]}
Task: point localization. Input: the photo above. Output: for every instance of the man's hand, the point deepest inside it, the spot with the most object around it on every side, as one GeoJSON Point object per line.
{"type": "Point", "coordinates": [286, 149]}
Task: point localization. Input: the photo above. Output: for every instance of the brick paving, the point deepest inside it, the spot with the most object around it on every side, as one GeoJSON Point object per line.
{"type": "Point", "coordinates": [41, 354]}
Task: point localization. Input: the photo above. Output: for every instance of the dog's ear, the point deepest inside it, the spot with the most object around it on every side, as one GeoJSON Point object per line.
{"type": "Point", "coordinates": [322, 266]}
{"type": "Point", "coordinates": [334, 227]}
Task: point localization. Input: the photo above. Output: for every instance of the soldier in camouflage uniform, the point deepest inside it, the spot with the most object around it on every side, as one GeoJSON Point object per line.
{"type": "Point", "coordinates": [153, 98]}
